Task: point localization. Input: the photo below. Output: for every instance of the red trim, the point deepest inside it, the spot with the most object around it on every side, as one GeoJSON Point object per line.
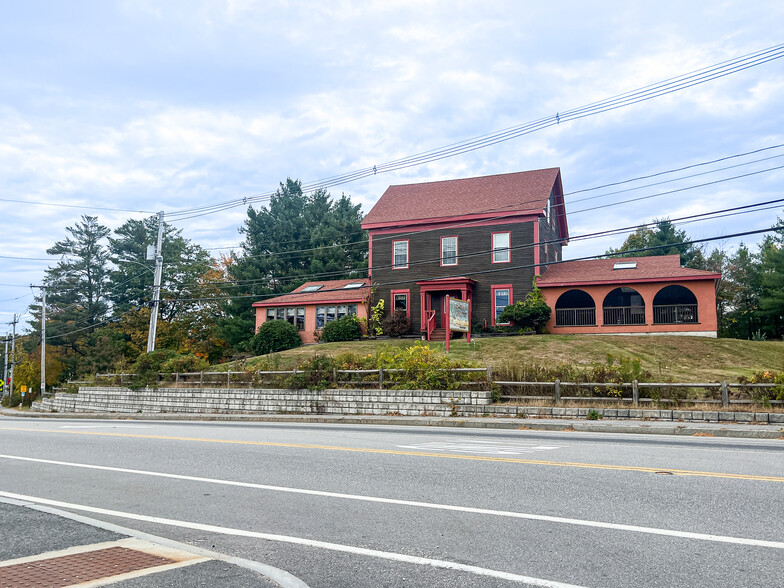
{"type": "Point", "coordinates": [441, 260]}
{"type": "Point", "coordinates": [446, 284]}
{"type": "Point", "coordinates": [309, 302]}
{"type": "Point", "coordinates": [370, 256]}
{"type": "Point", "coordinates": [394, 267]}
{"type": "Point", "coordinates": [392, 294]}
{"type": "Point", "coordinates": [492, 300]}
{"type": "Point", "coordinates": [537, 269]}
{"type": "Point", "coordinates": [673, 279]}
{"type": "Point", "coordinates": [457, 222]}
{"type": "Point", "coordinates": [509, 247]}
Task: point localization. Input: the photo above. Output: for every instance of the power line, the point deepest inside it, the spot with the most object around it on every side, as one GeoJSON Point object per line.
{"type": "Point", "coordinates": [651, 91]}
{"type": "Point", "coordinates": [524, 266]}
{"type": "Point", "coordinates": [734, 211]}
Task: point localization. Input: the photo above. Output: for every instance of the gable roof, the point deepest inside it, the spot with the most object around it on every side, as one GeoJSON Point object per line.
{"type": "Point", "coordinates": [333, 291]}
{"type": "Point", "coordinates": [520, 193]}
{"type": "Point", "coordinates": [655, 268]}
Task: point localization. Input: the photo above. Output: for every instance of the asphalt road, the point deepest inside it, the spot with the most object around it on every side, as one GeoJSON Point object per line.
{"type": "Point", "coordinates": [415, 506]}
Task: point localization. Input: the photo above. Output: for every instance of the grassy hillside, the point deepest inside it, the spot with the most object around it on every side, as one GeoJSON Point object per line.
{"type": "Point", "coordinates": [682, 359]}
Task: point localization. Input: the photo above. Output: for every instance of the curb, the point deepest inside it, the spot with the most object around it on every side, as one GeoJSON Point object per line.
{"type": "Point", "coordinates": [745, 431]}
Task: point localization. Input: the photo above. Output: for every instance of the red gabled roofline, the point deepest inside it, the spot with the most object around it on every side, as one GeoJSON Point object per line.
{"type": "Point", "coordinates": [513, 216]}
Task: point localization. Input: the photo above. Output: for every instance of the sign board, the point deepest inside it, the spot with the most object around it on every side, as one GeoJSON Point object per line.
{"type": "Point", "coordinates": [23, 388]}
{"type": "Point", "coordinates": [458, 315]}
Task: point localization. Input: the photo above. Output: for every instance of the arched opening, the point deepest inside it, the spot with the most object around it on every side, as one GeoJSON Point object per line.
{"type": "Point", "coordinates": [575, 308]}
{"type": "Point", "coordinates": [623, 306]}
{"type": "Point", "coordinates": [673, 305]}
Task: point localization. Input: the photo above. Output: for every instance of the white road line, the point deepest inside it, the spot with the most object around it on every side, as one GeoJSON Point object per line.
{"type": "Point", "coordinates": [431, 505]}
{"type": "Point", "coordinates": [104, 427]}
{"type": "Point", "coordinates": [482, 447]}
{"type": "Point", "coordinates": [388, 555]}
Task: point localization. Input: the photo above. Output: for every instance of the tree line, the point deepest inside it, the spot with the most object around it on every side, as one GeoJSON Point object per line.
{"type": "Point", "coordinates": [99, 293]}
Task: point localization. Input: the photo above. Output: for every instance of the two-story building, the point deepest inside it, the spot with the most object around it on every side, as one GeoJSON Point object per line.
{"type": "Point", "coordinates": [485, 240]}
{"type": "Point", "coordinates": [480, 239]}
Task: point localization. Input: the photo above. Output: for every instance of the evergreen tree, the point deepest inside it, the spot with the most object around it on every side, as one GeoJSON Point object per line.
{"type": "Point", "coordinates": [299, 237]}
{"type": "Point", "coordinates": [666, 239]}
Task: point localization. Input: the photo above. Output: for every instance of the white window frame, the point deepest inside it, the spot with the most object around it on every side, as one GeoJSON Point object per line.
{"type": "Point", "coordinates": [502, 250]}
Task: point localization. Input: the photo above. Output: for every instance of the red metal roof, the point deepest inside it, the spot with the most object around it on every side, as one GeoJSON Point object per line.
{"type": "Point", "coordinates": [487, 196]}
{"type": "Point", "coordinates": [600, 271]}
{"type": "Point", "coordinates": [333, 291]}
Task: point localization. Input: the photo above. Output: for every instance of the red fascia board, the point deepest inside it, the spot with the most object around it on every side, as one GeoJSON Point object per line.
{"type": "Point", "coordinates": [518, 216]}
{"type": "Point", "coordinates": [446, 282]}
{"type": "Point", "coordinates": [628, 281]}
{"type": "Point", "coordinates": [308, 302]}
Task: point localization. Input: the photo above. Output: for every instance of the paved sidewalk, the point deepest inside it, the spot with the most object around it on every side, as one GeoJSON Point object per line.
{"type": "Point", "coordinates": [743, 430]}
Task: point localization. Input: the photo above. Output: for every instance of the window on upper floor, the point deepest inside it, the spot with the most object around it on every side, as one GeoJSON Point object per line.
{"type": "Point", "coordinates": [448, 250]}
{"type": "Point", "coordinates": [501, 242]}
{"type": "Point", "coordinates": [399, 254]}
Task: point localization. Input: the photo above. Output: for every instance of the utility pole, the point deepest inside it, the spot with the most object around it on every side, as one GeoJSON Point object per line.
{"type": "Point", "coordinates": [156, 289]}
{"type": "Point", "coordinates": [13, 355]}
{"type": "Point", "coordinates": [5, 367]}
{"type": "Point", "coordinates": [43, 339]}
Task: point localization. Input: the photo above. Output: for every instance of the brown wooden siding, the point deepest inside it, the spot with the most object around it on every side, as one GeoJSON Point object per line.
{"type": "Point", "coordinates": [424, 252]}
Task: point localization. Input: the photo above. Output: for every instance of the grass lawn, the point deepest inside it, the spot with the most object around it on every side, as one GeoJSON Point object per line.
{"type": "Point", "coordinates": [681, 359]}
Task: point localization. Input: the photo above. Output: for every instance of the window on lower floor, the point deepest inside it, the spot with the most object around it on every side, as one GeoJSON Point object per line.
{"type": "Point", "coordinates": [501, 298]}
{"type": "Point", "coordinates": [327, 314]}
{"type": "Point", "coordinates": [293, 315]}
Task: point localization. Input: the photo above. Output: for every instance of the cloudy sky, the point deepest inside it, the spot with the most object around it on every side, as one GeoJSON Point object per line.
{"type": "Point", "coordinates": [145, 105]}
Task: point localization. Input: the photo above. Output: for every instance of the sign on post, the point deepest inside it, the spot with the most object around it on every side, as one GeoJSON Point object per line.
{"type": "Point", "coordinates": [458, 318]}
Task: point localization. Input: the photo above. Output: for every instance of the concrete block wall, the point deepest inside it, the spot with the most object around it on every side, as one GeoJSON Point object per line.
{"type": "Point", "coordinates": [220, 400]}
{"type": "Point", "coordinates": [438, 403]}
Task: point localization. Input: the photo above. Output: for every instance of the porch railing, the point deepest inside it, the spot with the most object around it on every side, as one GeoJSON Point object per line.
{"type": "Point", "coordinates": [575, 317]}
{"type": "Point", "coordinates": [430, 323]}
{"type": "Point", "coordinates": [675, 313]}
{"type": "Point", "coordinates": [624, 315]}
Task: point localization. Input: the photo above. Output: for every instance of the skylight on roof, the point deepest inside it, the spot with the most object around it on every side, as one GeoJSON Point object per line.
{"type": "Point", "coordinates": [313, 288]}
{"type": "Point", "coordinates": [621, 265]}
{"type": "Point", "coordinates": [353, 285]}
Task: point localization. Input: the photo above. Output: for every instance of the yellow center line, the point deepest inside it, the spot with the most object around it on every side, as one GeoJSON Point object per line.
{"type": "Point", "coordinates": [542, 462]}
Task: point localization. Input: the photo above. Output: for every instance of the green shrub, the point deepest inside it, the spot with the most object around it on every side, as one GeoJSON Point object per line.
{"type": "Point", "coordinates": [147, 366]}
{"type": "Point", "coordinates": [530, 314]}
{"type": "Point", "coordinates": [395, 324]}
{"type": "Point", "coordinates": [347, 328]}
{"type": "Point", "coordinates": [275, 336]}
{"type": "Point", "coordinates": [185, 362]}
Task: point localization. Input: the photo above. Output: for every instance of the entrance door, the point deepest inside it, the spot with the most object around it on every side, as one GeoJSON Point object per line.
{"type": "Point", "coordinates": [437, 304]}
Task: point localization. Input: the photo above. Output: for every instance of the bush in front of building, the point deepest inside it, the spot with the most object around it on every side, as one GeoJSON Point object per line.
{"type": "Point", "coordinates": [530, 314]}
{"type": "Point", "coordinates": [396, 324]}
{"type": "Point", "coordinates": [347, 328]}
{"type": "Point", "coordinates": [275, 336]}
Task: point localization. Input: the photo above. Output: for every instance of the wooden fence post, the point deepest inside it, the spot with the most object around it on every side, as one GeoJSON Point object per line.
{"type": "Point", "coordinates": [489, 375]}
{"type": "Point", "coordinates": [557, 391]}
{"type": "Point", "coordinates": [228, 378]}
{"type": "Point", "coordinates": [335, 375]}
{"type": "Point", "coordinates": [201, 379]}
{"type": "Point", "coordinates": [725, 394]}
{"type": "Point", "coordinates": [635, 393]}
{"type": "Point", "coordinates": [380, 378]}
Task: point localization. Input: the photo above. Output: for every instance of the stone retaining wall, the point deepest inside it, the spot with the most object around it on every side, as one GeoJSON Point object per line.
{"type": "Point", "coordinates": [440, 403]}
{"type": "Point", "coordinates": [221, 400]}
